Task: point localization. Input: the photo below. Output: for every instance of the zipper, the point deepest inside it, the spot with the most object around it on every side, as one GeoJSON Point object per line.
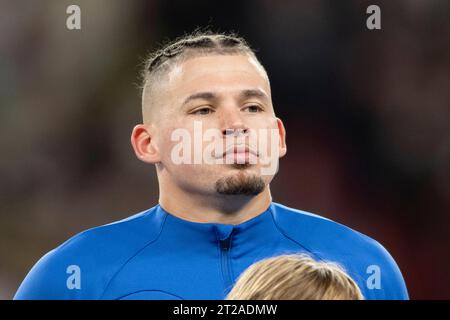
{"type": "Point", "coordinates": [224, 255]}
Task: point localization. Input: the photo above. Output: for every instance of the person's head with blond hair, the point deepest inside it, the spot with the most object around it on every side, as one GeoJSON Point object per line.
{"type": "Point", "coordinates": [294, 277]}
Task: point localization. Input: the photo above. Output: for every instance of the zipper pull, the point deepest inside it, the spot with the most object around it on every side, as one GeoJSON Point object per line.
{"type": "Point", "coordinates": [225, 243]}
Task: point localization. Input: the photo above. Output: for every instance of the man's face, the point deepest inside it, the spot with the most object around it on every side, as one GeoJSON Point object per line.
{"type": "Point", "coordinates": [229, 97]}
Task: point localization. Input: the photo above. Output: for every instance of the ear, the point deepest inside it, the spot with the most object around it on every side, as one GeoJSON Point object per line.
{"type": "Point", "coordinates": [282, 134]}
{"type": "Point", "coordinates": [143, 142]}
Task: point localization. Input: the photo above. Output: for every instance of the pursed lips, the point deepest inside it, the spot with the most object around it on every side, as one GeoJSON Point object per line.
{"type": "Point", "coordinates": [239, 149]}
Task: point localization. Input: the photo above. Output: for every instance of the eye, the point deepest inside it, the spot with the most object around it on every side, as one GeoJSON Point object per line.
{"type": "Point", "coordinates": [202, 111]}
{"type": "Point", "coordinates": [253, 108]}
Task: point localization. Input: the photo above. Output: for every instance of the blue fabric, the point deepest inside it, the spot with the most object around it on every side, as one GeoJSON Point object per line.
{"type": "Point", "coordinates": [155, 255]}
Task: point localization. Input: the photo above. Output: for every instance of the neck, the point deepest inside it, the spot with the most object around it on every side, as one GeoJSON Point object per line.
{"type": "Point", "coordinates": [213, 208]}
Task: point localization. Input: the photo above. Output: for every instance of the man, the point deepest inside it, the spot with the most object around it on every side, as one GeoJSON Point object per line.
{"type": "Point", "coordinates": [215, 215]}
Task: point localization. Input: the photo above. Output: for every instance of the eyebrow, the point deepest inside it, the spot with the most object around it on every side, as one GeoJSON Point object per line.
{"type": "Point", "coordinates": [253, 93]}
{"type": "Point", "coordinates": [244, 94]}
{"type": "Point", "coordinates": [200, 96]}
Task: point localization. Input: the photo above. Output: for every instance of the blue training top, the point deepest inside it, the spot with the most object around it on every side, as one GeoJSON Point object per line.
{"type": "Point", "coordinates": [155, 255]}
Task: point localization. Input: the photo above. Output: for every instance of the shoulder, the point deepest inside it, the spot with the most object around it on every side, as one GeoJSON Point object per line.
{"type": "Point", "coordinates": [316, 232]}
{"type": "Point", "coordinates": [328, 240]}
{"type": "Point", "coordinates": [81, 266]}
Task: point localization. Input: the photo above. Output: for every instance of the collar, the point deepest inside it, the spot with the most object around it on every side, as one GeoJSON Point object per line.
{"type": "Point", "coordinates": [253, 232]}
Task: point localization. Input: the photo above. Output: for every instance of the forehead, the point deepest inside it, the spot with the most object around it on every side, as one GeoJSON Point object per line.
{"type": "Point", "coordinates": [217, 73]}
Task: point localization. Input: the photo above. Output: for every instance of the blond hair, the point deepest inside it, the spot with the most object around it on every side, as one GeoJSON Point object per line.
{"type": "Point", "coordinates": [294, 277]}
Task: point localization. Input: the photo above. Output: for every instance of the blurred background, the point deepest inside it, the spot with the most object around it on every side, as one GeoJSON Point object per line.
{"type": "Point", "coordinates": [367, 116]}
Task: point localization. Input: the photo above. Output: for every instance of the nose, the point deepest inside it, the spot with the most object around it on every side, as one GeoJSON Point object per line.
{"type": "Point", "coordinates": [232, 123]}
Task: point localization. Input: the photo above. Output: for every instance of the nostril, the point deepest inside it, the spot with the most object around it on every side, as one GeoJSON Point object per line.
{"type": "Point", "coordinates": [236, 132]}
{"type": "Point", "coordinates": [228, 131]}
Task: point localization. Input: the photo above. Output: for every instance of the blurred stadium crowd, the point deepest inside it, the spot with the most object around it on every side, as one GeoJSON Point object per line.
{"type": "Point", "coordinates": [367, 116]}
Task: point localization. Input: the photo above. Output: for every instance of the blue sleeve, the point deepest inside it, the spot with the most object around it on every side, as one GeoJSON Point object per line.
{"type": "Point", "coordinates": [380, 277]}
{"type": "Point", "coordinates": [68, 272]}
{"type": "Point", "coordinates": [392, 282]}
{"type": "Point", "coordinates": [46, 280]}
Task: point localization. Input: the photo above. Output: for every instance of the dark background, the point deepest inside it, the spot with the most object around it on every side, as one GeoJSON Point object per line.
{"type": "Point", "coordinates": [367, 116]}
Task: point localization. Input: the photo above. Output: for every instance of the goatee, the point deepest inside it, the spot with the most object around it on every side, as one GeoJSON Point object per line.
{"type": "Point", "coordinates": [240, 184]}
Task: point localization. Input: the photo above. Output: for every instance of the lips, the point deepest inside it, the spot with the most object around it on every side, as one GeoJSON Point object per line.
{"type": "Point", "coordinates": [238, 150]}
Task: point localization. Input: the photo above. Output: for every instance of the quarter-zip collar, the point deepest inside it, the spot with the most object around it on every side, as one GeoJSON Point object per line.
{"type": "Point", "coordinates": [253, 232]}
{"type": "Point", "coordinates": [232, 242]}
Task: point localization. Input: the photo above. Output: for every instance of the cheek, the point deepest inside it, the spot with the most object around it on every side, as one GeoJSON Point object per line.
{"type": "Point", "coordinates": [267, 142]}
{"type": "Point", "coordinates": [176, 145]}
{"type": "Point", "coordinates": [263, 122]}
{"type": "Point", "coordinates": [167, 140]}
{"type": "Point", "coordinates": [272, 123]}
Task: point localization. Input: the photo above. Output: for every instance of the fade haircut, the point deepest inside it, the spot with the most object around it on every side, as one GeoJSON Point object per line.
{"type": "Point", "coordinates": [198, 43]}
